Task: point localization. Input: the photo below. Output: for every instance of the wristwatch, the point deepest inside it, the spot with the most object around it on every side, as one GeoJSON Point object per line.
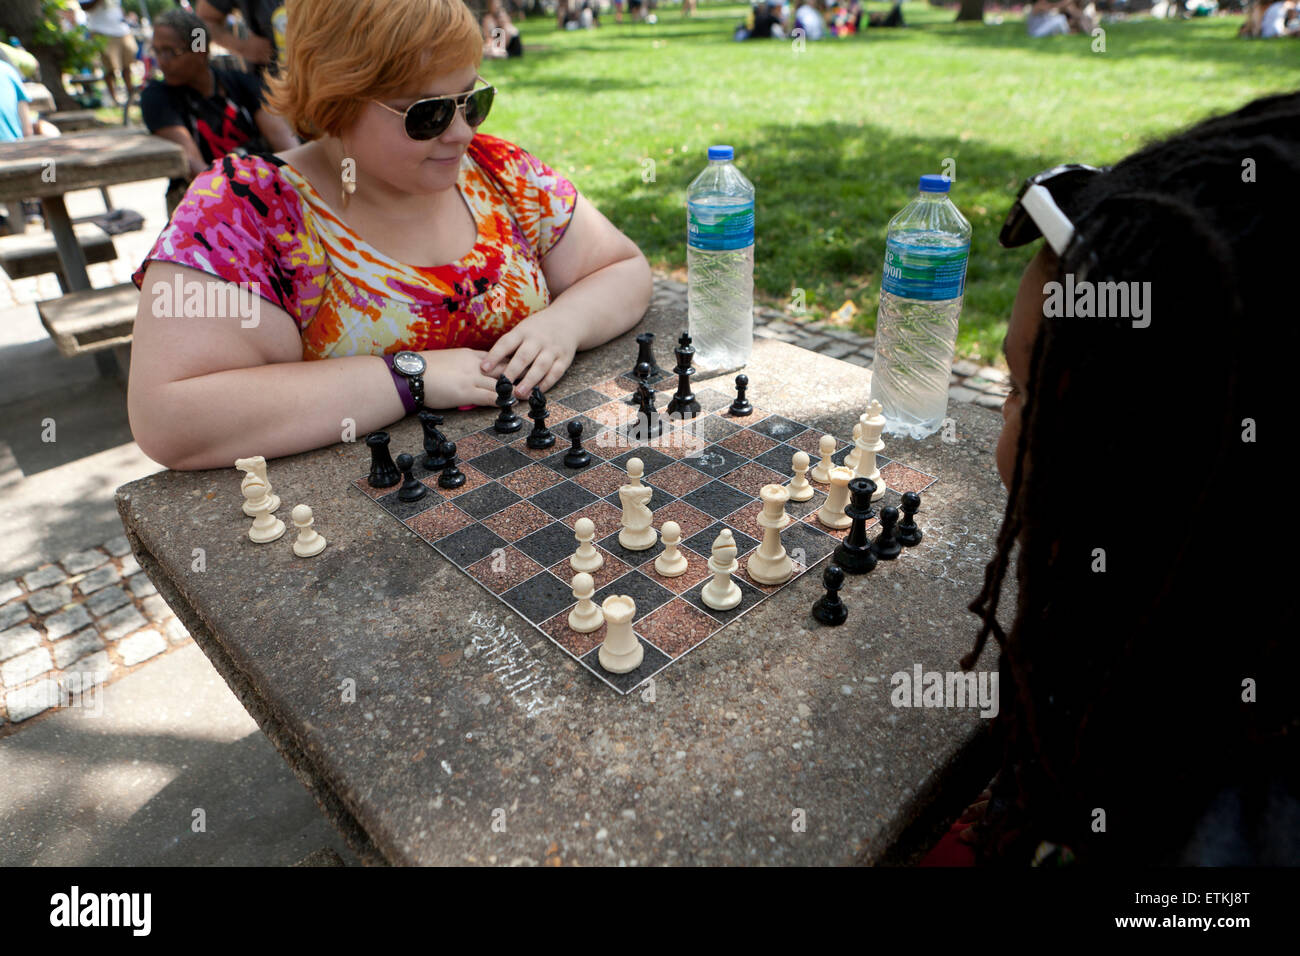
{"type": "Point", "coordinates": [408, 370]}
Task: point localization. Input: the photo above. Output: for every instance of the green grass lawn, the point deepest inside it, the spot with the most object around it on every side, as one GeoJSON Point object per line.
{"type": "Point", "coordinates": [835, 137]}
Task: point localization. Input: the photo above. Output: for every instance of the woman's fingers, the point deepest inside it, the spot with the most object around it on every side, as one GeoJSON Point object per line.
{"type": "Point", "coordinates": [537, 372]}
{"type": "Point", "coordinates": [553, 376]}
{"type": "Point", "coordinates": [523, 358]}
{"type": "Point", "coordinates": [502, 348]}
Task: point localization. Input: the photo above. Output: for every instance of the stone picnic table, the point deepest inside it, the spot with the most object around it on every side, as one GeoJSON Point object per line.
{"type": "Point", "coordinates": [472, 739]}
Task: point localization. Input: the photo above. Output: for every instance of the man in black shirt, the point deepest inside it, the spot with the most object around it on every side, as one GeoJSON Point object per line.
{"type": "Point", "coordinates": [265, 19]}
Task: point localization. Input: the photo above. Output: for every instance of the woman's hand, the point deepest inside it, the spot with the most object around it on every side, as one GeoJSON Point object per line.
{"type": "Point", "coordinates": [542, 346]}
{"type": "Point", "coordinates": [455, 377]}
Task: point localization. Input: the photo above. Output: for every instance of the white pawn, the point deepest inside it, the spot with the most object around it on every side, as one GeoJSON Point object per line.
{"type": "Point", "coordinates": [621, 652]}
{"type": "Point", "coordinates": [635, 469]}
{"type": "Point", "coordinates": [255, 470]}
{"type": "Point", "coordinates": [586, 617]}
{"type": "Point", "coordinates": [851, 461]}
{"type": "Point", "coordinates": [722, 593]}
{"type": "Point", "coordinates": [821, 472]}
{"type": "Point", "coordinates": [831, 514]}
{"type": "Point", "coordinates": [799, 488]}
{"type": "Point", "coordinates": [266, 527]}
{"type": "Point", "coordinates": [671, 563]}
{"type": "Point", "coordinates": [586, 558]}
{"type": "Point", "coordinates": [309, 542]}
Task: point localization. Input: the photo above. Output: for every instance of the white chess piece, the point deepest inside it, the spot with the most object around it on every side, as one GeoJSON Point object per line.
{"type": "Point", "coordinates": [770, 564]}
{"type": "Point", "coordinates": [635, 469]}
{"type": "Point", "coordinates": [586, 617]}
{"type": "Point", "coordinates": [621, 652]}
{"type": "Point", "coordinates": [851, 460]}
{"type": "Point", "coordinates": [309, 542]}
{"type": "Point", "coordinates": [799, 488]}
{"type": "Point", "coordinates": [638, 533]}
{"type": "Point", "coordinates": [266, 527]}
{"type": "Point", "coordinates": [671, 563]}
{"type": "Point", "coordinates": [722, 593]}
{"type": "Point", "coordinates": [869, 445]}
{"type": "Point", "coordinates": [831, 514]}
{"type": "Point", "coordinates": [255, 470]}
{"type": "Point", "coordinates": [821, 472]}
{"type": "Point", "coordinates": [586, 558]}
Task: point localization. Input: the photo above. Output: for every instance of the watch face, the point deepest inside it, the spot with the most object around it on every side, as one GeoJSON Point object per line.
{"type": "Point", "coordinates": [409, 363]}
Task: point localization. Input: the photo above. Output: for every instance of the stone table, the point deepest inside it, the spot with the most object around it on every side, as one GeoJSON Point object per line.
{"type": "Point", "coordinates": [472, 739]}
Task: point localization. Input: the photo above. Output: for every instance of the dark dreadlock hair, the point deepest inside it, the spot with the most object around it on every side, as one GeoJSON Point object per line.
{"type": "Point", "coordinates": [1122, 689]}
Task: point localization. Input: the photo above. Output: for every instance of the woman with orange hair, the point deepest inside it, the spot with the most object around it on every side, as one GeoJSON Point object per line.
{"type": "Point", "coordinates": [426, 259]}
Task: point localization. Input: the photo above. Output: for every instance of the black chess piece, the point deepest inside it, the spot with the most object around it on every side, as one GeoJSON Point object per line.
{"type": "Point", "coordinates": [383, 473]}
{"type": "Point", "coordinates": [741, 407]}
{"type": "Point", "coordinates": [647, 424]}
{"type": "Point", "coordinates": [576, 456]}
{"type": "Point", "coordinates": [645, 356]}
{"type": "Point", "coordinates": [452, 476]}
{"type": "Point", "coordinates": [540, 436]}
{"type": "Point", "coordinates": [412, 488]}
{"type": "Point", "coordinates": [507, 422]}
{"type": "Point", "coordinates": [684, 403]}
{"type": "Point", "coordinates": [854, 554]}
{"type": "Point", "coordinates": [909, 532]}
{"type": "Point", "coordinates": [433, 439]}
{"type": "Point", "coordinates": [886, 546]}
{"type": "Point", "coordinates": [829, 609]}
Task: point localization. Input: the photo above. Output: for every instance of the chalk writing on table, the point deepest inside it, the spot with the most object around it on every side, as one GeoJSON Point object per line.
{"type": "Point", "coordinates": [522, 675]}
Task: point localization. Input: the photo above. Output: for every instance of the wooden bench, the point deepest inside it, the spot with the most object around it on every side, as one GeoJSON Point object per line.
{"type": "Point", "coordinates": [92, 320]}
{"type": "Point", "coordinates": [69, 121]}
{"type": "Point", "coordinates": [23, 256]}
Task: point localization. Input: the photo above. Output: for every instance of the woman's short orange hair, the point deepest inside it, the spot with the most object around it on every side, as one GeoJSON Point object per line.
{"type": "Point", "coordinates": [341, 53]}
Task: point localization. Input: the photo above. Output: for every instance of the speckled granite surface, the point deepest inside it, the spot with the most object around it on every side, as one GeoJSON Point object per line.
{"type": "Point", "coordinates": [473, 740]}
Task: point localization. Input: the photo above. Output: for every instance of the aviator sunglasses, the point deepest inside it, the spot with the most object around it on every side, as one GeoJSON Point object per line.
{"type": "Point", "coordinates": [429, 118]}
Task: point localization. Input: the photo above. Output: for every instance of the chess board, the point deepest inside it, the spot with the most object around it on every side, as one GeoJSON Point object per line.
{"type": "Point", "coordinates": [510, 527]}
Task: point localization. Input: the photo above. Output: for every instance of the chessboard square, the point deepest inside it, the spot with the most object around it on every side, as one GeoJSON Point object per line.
{"type": "Point", "coordinates": [658, 499]}
{"type": "Point", "coordinates": [468, 545]}
{"type": "Point", "coordinates": [611, 389]}
{"type": "Point", "coordinates": [517, 521]}
{"type": "Point", "coordinates": [500, 461]}
{"type": "Point", "coordinates": [631, 383]}
{"type": "Point", "coordinates": [900, 478]}
{"type": "Point", "coordinates": [712, 427]}
{"type": "Point", "coordinates": [537, 454]}
{"type": "Point", "coordinates": [402, 510]}
{"type": "Point", "coordinates": [711, 400]}
{"type": "Point", "coordinates": [746, 519]}
{"type": "Point", "coordinates": [839, 534]}
{"type": "Point", "coordinates": [540, 597]}
{"type": "Point", "coordinates": [690, 519]}
{"type": "Point", "coordinates": [716, 499]}
{"type": "Point", "coordinates": [752, 477]}
{"type": "Point", "coordinates": [702, 543]}
{"type": "Point", "coordinates": [563, 499]}
{"type": "Point", "coordinates": [640, 588]}
{"type": "Point", "coordinates": [629, 557]}
{"type": "Point", "coordinates": [798, 509]}
{"type": "Point", "coordinates": [749, 443]}
{"type": "Point", "coordinates": [549, 544]}
{"type": "Point", "coordinates": [677, 479]}
{"type": "Point", "coordinates": [809, 441]}
{"type": "Point", "coordinates": [473, 445]}
{"type": "Point", "coordinates": [781, 459]}
{"type": "Point", "coordinates": [806, 543]}
{"type": "Point", "coordinates": [747, 421]}
{"type": "Point", "coordinates": [676, 627]}
{"type": "Point", "coordinates": [613, 414]}
{"type": "Point", "coordinates": [585, 400]}
{"type": "Point", "coordinates": [556, 461]}
{"type": "Point", "coordinates": [370, 491]}
{"type": "Point", "coordinates": [681, 443]}
{"type": "Point", "coordinates": [749, 596]}
{"type": "Point", "coordinates": [557, 629]}
{"type": "Point", "coordinates": [611, 570]}
{"type": "Point", "coordinates": [653, 660]}
{"type": "Point", "coordinates": [606, 517]}
{"type": "Point", "coordinates": [779, 427]}
{"type": "Point", "coordinates": [439, 521]}
{"type": "Point", "coordinates": [600, 479]}
{"type": "Point", "coordinates": [502, 570]}
{"type": "Point", "coordinates": [697, 569]}
{"type": "Point", "coordinates": [487, 500]}
{"type": "Point", "coordinates": [528, 481]}
{"type": "Point", "coordinates": [474, 479]}
{"type": "Point", "coordinates": [715, 461]}
{"type": "Point", "coordinates": [651, 458]}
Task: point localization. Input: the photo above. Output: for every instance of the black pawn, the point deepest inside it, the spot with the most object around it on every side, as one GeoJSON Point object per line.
{"type": "Point", "coordinates": [645, 357]}
{"type": "Point", "coordinates": [577, 456]}
{"type": "Point", "coordinates": [829, 609]}
{"type": "Point", "coordinates": [433, 439]}
{"type": "Point", "coordinates": [886, 546]}
{"type": "Point", "coordinates": [452, 476]}
{"type": "Point", "coordinates": [642, 375]}
{"type": "Point", "coordinates": [909, 533]}
{"type": "Point", "coordinates": [684, 402]}
{"type": "Point", "coordinates": [741, 406]}
{"type": "Point", "coordinates": [540, 436]}
{"type": "Point", "coordinates": [854, 554]}
{"type": "Point", "coordinates": [412, 489]}
{"type": "Point", "coordinates": [383, 473]}
{"type": "Point", "coordinates": [507, 421]}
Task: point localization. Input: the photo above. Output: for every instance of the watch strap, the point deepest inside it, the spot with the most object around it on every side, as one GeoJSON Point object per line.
{"type": "Point", "coordinates": [403, 386]}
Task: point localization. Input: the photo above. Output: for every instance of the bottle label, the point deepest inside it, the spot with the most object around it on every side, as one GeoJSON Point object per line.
{"type": "Point", "coordinates": [931, 273]}
{"type": "Point", "coordinates": [719, 228]}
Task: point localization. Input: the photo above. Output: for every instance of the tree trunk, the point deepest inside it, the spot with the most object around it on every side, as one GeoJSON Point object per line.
{"type": "Point", "coordinates": [52, 77]}
{"type": "Point", "coordinates": [971, 10]}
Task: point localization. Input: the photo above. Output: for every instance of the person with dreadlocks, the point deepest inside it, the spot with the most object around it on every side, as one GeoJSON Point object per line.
{"type": "Point", "coordinates": [1147, 714]}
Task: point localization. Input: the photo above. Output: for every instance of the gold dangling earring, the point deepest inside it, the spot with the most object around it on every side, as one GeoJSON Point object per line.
{"type": "Point", "coordinates": [349, 174]}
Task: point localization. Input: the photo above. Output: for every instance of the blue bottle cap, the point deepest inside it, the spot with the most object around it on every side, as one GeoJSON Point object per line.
{"type": "Point", "coordinates": [934, 184]}
{"type": "Point", "coordinates": [721, 152]}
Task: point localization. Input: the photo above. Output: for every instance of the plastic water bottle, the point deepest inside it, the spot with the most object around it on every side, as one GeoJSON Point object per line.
{"type": "Point", "coordinates": [921, 290]}
{"type": "Point", "coordinates": [720, 263]}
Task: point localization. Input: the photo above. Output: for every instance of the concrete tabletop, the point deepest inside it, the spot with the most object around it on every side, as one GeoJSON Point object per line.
{"type": "Point", "coordinates": [473, 739]}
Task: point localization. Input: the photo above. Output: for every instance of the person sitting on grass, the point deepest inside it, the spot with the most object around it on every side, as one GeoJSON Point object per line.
{"type": "Point", "coordinates": [1279, 20]}
{"type": "Point", "coordinates": [1146, 712]}
{"type": "Point", "coordinates": [206, 110]}
{"type": "Point", "coordinates": [398, 228]}
{"type": "Point", "coordinates": [500, 36]}
{"type": "Point", "coordinates": [1048, 18]}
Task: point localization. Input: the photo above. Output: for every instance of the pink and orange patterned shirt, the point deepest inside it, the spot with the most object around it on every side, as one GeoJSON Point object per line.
{"type": "Point", "coordinates": [257, 219]}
